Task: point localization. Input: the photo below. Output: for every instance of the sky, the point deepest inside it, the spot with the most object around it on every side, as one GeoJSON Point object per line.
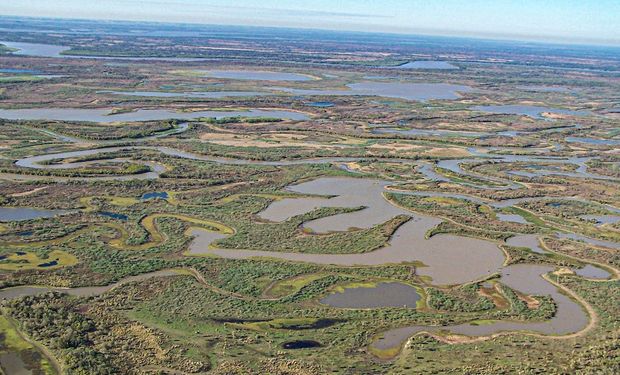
{"type": "Point", "coordinates": [578, 21]}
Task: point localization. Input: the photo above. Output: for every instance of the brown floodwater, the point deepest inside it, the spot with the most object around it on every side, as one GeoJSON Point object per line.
{"type": "Point", "coordinates": [447, 259]}
{"type": "Point", "coordinates": [88, 291]}
{"type": "Point", "coordinates": [385, 294]}
{"type": "Point", "coordinates": [526, 240]}
{"type": "Point", "coordinates": [526, 278]}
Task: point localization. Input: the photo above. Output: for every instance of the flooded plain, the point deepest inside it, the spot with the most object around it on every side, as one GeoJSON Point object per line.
{"type": "Point", "coordinates": [105, 115]}
{"type": "Point", "coordinates": [24, 213]}
{"type": "Point", "coordinates": [447, 259]}
{"type": "Point", "coordinates": [594, 141]}
{"type": "Point", "coordinates": [526, 110]}
{"type": "Point", "coordinates": [427, 64]}
{"type": "Point", "coordinates": [429, 132]}
{"type": "Point", "coordinates": [592, 272]}
{"type": "Point", "coordinates": [257, 75]}
{"type": "Point", "coordinates": [87, 291]}
{"type": "Point", "coordinates": [192, 94]}
{"type": "Point", "coordinates": [36, 49]}
{"type": "Point", "coordinates": [397, 90]}
{"type": "Point", "coordinates": [526, 278]}
{"type": "Point", "coordinates": [530, 241]}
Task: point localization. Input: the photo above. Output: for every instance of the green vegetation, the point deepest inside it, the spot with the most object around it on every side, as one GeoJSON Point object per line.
{"type": "Point", "coordinates": [209, 314]}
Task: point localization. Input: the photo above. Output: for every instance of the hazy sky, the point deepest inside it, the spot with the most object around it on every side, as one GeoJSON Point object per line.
{"type": "Point", "coordinates": [596, 21]}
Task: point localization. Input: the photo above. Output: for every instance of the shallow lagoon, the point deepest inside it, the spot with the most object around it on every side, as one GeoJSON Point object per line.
{"type": "Point", "coordinates": [257, 75]}
{"type": "Point", "coordinates": [36, 49]}
{"type": "Point", "coordinates": [526, 110]}
{"type": "Point", "coordinates": [427, 64]}
{"type": "Point", "coordinates": [385, 294]}
{"type": "Point", "coordinates": [525, 278]}
{"type": "Point", "coordinates": [22, 213]}
{"type": "Point", "coordinates": [87, 291]}
{"type": "Point", "coordinates": [103, 115]}
{"type": "Point", "coordinates": [193, 94]}
{"type": "Point", "coordinates": [448, 259]}
{"type": "Point", "coordinates": [407, 91]}
{"type": "Point", "coordinates": [593, 272]}
{"type": "Point", "coordinates": [594, 141]}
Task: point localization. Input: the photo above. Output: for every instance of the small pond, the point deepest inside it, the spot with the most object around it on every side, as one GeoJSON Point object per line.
{"type": "Point", "coordinates": [594, 141]}
{"type": "Point", "coordinates": [592, 272]}
{"type": "Point", "coordinates": [385, 294]}
{"type": "Point", "coordinates": [22, 213]}
{"type": "Point", "coordinates": [301, 344]}
{"type": "Point", "coordinates": [320, 104]}
{"type": "Point", "coordinates": [113, 215]}
{"type": "Point", "coordinates": [155, 194]}
{"type": "Point", "coordinates": [513, 218]}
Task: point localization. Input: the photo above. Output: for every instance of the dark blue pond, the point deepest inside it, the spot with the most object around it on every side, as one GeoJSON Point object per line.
{"type": "Point", "coordinates": [49, 264]}
{"type": "Point", "coordinates": [301, 344]}
{"type": "Point", "coordinates": [113, 215]}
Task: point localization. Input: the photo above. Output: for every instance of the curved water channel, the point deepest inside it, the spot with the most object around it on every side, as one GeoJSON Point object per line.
{"type": "Point", "coordinates": [527, 278]}
{"type": "Point", "coordinates": [447, 259]}
{"type": "Point", "coordinates": [453, 165]}
{"type": "Point", "coordinates": [87, 291]}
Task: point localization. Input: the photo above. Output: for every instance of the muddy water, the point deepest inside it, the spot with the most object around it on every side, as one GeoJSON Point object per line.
{"type": "Point", "coordinates": [526, 240]}
{"type": "Point", "coordinates": [589, 240]}
{"type": "Point", "coordinates": [382, 295]}
{"type": "Point", "coordinates": [594, 141]}
{"type": "Point", "coordinates": [592, 272]}
{"type": "Point", "coordinates": [23, 213]}
{"type": "Point", "coordinates": [448, 259]}
{"type": "Point", "coordinates": [104, 116]}
{"type": "Point", "coordinates": [36, 49]}
{"type": "Point", "coordinates": [431, 132]}
{"type": "Point", "coordinates": [407, 91]}
{"type": "Point", "coordinates": [49, 50]}
{"type": "Point", "coordinates": [205, 94]}
{"type": "Point", "coordinates": [427, 64]}
{"type": "Point", "coordinates": [512, 218]}
{"type": "Point", "coordinates": [569, 317]}
{"type": "Point", "coordinates": [12, 363]}
{"type": "Point", "coordinates": [256, 75]}
{"type": "Point", "coordinates": [454, 165]}
{"type": "Point", "coordinates": [34, 161]}
{"type": "Point", "coordinates": [544, 88]}
{"type": "Point", "coordinates": [21, 291]}
{"type": "Point", "coordinates": [602, 219]}
{"type": "Point", "coordinates": [348, 193]}
{"type": "Point", "coordinates": [526, 110]}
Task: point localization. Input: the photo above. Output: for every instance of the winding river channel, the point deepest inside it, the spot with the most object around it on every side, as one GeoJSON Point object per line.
{"type": "Point", "coordinates": [445, 259]}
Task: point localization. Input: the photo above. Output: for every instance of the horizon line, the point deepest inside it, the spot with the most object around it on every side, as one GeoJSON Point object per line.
{"type": "Point", "coordinates": [548, 39]}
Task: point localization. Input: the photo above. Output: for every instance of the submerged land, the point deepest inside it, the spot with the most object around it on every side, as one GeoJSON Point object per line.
{"type": "Point", "coordinates": [183, 199]}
